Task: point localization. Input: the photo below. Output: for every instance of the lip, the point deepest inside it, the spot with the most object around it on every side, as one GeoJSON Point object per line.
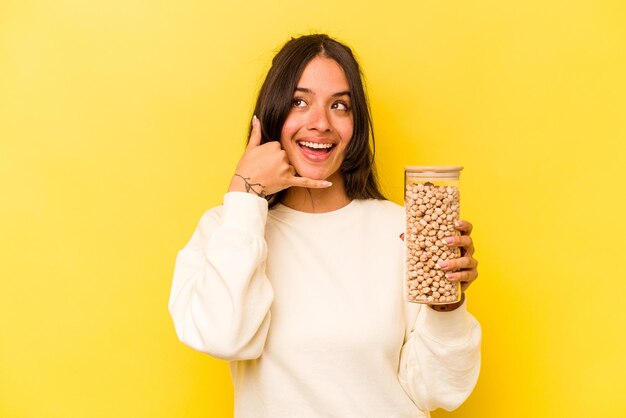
{"type": "Point", "coordinates": [314, 156]}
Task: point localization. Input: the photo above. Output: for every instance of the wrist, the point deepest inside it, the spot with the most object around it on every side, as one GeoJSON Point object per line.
{"type": "Point", "coordinates": [237, 184]}
{"type": "Point", "coordinates": [240, 183]}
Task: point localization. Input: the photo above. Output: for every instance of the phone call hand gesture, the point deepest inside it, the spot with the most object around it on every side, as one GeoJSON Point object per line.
{"type": "Point", "coordinates": [264, 169]}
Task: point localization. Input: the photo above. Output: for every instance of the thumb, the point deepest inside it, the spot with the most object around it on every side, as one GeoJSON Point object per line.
{"type": "Point", "coordinates": [255, 135]}
{"type": "Point", "coordinates": [309, 183]}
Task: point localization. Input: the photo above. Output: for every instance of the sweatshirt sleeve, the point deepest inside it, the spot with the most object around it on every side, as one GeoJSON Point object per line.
{"type": "Point", "coordinates": [440, 360]}
{"type": "Point", "coordinates": [220, 297]}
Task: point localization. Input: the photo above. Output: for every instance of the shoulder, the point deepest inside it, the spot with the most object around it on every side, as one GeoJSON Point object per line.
{"type": "Point", "coordinates": [383, 211]}
{"type": "Point", "coordinates": [381, 206]}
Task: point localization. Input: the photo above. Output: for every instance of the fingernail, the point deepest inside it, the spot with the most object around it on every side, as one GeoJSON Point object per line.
{"type": "Point", "coordinates": [442, 264]}
{"type": "Point", "coordinates": [254, 120]}
{"type": "Point", "coordinates": [326, 183]}
{"type": "Point", "coordinates": [447, 240]}
{"type": "Point", "coordinates": [450, 276]}
{"type": "Point", "coordinates": [458, 224]}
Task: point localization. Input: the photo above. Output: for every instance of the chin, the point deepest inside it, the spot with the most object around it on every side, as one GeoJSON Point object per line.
{"type": "Point", "coordinates": [320, 174]}
{"type": "Point", "coordinates": [313, 173]}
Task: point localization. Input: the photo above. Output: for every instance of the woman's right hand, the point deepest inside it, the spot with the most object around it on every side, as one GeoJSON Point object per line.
{"type": "Point", "coordinates": [265, 169]}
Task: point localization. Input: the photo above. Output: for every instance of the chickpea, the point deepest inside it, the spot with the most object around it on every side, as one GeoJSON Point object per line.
{"type": "Point", "coordinates": [430, 213]}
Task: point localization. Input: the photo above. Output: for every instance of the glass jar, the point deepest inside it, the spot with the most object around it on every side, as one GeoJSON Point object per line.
{"type": "Point", "coordinates": [431, 202]}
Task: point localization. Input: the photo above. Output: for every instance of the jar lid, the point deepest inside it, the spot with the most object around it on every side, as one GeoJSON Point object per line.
{"type": "Point", "coordinates": [432, 168]}
{"type": "Point", "coordinates": [432, 172]}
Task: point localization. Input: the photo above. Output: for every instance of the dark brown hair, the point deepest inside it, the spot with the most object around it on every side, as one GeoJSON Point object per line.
{"type": "Point", "coordinates": [276, 97]}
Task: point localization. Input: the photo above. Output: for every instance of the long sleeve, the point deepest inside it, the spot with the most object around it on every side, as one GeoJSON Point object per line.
{"type": "Point", "coordinates": [440, 361]}
{"type": "Point", "coordinates": [220, 298]}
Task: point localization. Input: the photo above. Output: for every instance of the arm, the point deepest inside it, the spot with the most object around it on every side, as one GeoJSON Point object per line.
{"type": "Point", "coordinates": [440, 360]}
{"type": "Point", "coordinates": [220, 296]}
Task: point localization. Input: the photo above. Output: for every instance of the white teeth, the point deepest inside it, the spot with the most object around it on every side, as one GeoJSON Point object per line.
{"type": "Point", "coordinates": [315, 145]}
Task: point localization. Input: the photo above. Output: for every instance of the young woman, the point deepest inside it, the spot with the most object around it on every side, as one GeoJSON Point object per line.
{"type": "Point", "coordinates": [298, 278]}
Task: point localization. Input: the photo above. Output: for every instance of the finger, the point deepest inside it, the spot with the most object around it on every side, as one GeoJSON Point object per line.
{"type": "Point", "coordinates": [463, 276]}
{"type": "Point", "coordinates": [255, 134]}
{"type": "Point", "coordinates": [464, 226]}
{"type": "Point", "coordinates": [309, 183]}
{"type": "Point", "coordinates": [458, 241]}
{"type": "Point", "coordinates": [457, 264]}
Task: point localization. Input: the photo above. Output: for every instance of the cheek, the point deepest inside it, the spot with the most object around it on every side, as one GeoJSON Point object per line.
{"type": "Point", "coordinates": [290, 127]}
{"type": "Point", "coordinates": [346, 131]}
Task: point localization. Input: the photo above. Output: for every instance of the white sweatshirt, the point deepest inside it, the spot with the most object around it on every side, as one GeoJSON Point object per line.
{"type": "Point", "coordinates": [309, 310]}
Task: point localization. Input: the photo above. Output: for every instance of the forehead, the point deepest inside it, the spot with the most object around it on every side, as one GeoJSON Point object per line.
{"type": "Point", "coordinates": [323, 75]}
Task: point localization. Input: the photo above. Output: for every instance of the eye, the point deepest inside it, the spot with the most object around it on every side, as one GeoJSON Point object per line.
{"type": "Point", "coordinates": [340, 106]}
{"type": "Point", "coordinates": [298, 102]}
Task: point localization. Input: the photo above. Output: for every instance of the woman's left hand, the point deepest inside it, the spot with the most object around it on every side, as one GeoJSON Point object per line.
{"type": "Point", "coordinates": [464, 268]}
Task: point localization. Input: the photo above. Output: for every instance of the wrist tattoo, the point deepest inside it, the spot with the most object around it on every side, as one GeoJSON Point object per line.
{"type": "Point", "coordinates": [251, 186]}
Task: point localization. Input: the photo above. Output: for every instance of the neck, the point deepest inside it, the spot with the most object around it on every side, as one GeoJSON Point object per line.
{"type": "Point", "coordinates": [318, 200]}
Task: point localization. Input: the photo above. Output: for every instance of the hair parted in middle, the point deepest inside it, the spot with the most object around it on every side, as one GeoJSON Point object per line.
{"type": "Point", "coordinates": [276, 97]}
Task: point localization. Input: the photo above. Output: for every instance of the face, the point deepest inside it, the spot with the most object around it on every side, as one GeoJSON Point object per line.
{"type": "Point", "coordinates": [320, 124]}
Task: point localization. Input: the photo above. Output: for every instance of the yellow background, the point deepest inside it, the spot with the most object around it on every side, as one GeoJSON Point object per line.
{"type": "Point", "coordinates": [121, 122]}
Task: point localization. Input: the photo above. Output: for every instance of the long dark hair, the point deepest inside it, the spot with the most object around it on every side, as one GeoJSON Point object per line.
{"type": "Point", "coordinates": [275, 100]}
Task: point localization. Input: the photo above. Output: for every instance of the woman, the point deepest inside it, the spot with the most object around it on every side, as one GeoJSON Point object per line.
{"type": "Point", "coordinates": [297, 279]}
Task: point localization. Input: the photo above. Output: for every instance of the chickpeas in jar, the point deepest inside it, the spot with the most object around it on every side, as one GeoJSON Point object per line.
{"type": "Point", "coordinates": [432, 205]}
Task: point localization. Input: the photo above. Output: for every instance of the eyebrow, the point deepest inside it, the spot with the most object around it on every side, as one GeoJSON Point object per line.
{"type": "Point", "coordinates": [338, 94]}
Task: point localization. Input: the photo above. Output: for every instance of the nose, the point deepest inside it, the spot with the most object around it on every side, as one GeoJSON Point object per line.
{"type": "Point", "coordinates": [319, 119]}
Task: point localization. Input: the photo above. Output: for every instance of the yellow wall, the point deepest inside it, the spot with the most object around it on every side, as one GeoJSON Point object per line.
{"type": "Point", "coordinates": [121, 122]}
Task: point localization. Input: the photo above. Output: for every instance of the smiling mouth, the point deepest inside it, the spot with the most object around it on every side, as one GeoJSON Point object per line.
{"type": "Point", "coordinates": [316, 147]}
